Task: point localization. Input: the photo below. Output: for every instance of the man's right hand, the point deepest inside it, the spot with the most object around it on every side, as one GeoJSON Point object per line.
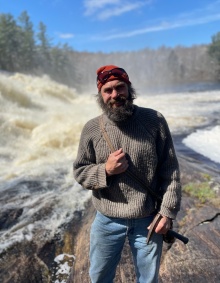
{"type": "Point", "coordinates": [116, 163]}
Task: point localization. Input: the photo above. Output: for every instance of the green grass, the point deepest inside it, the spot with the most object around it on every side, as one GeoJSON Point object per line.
{"type": "Point", "coordinates": [202, 191]}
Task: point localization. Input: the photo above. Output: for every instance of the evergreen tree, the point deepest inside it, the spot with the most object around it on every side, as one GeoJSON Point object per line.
{"type": "Point", "coordinates": [9, 42]}
{"type": "Point", "coordinates": [59, 62]}
{"type": "Point", "coordinates": [58, 57]}
{"type": "Point", "coordinates": [44, 47]}
{"type": "Point", "coordinates": [27, 42]}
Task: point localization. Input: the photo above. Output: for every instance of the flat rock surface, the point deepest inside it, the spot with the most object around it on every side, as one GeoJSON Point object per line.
{"type": "Point", "coordinates": [199, 260]}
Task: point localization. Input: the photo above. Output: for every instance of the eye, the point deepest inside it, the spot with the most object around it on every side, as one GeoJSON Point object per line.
{"type": "Point", "coordinates": [120, 88]}
{"type": "Point", "coordinates": [108, 90]}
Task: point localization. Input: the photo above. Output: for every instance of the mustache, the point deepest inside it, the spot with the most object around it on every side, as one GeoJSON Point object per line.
{"type": "Point", "coordinates": [117, 99]}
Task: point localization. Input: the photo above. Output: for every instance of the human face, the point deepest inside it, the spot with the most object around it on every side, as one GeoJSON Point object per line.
{"type": "Point", "coordinates": [116, 101]}
{"type": "Point", "coordinates": [115, 93]}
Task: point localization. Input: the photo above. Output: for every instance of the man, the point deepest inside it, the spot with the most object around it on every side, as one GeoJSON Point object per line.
{"type": "Point", "coordinates": [126, 207]}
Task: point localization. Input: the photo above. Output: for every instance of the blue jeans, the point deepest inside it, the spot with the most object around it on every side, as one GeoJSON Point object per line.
{"type": "Point", "coordinates": [107, 238]}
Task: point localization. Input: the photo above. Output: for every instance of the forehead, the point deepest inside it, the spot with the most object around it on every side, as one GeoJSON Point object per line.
{"type": "Point", "coordinates": [113, 84]}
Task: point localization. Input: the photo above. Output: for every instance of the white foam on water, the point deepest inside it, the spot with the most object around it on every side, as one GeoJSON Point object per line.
{"type": "Point", "coordinates": [44, 212]}
{"type": "Point", "coordinates": [184, 111]}
{"type": "Point", "coordinates": [205, 142]}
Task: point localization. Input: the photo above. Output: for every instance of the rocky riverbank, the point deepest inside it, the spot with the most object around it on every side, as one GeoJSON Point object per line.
{"type": "Point", "coordinates": [196, 262]}
{"type": "Point", "coordinates": [199, 260]}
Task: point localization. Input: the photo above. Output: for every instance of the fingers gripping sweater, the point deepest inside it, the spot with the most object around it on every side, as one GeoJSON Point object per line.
{"type": "Point", "coordinates": [147, 142]}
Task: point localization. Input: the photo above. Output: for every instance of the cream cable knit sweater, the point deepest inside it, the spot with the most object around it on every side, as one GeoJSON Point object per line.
{"type": "Point", "coordinates": [146, 139]}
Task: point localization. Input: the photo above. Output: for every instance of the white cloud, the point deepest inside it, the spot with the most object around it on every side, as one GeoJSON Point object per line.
{"type": "Point", "coordinates": [118, 10]}
{"type": "Point", "coordinates": [104, 9]}
{"type": "Point", "coordinates": [91, 6]}
{"type": "Point", "coordinates": [66, 35]}
{"type": "Point", "coordinates": [164, 26]}
{"type": "Point", "coordinates": [194, 18]}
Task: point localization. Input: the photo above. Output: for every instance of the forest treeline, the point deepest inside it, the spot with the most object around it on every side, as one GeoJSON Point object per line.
{"type": "Point", "coordinates": [24, 50]}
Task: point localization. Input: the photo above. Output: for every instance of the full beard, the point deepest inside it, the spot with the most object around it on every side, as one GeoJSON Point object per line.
{"type": "Point", "coordinates": [120, 113]}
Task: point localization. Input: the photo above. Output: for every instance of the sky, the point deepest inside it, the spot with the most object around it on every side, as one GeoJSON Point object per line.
{"type": "Point", "coordinates": [121, 25]}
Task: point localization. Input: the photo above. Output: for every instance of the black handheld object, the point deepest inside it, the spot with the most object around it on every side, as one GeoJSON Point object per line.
{"type": "Point", "coordinates": [180, 237]}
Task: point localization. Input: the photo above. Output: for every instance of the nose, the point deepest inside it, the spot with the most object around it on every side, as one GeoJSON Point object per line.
{"type": "Point", "coordinates": [114, 93]}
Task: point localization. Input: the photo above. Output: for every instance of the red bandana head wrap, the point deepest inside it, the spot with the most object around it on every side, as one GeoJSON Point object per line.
{"type": "Point", "coordinates": [109, 73]}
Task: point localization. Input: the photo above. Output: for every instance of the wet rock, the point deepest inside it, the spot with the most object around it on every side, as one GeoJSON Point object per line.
{"type": "Point", "coordinates": [21, 264]}
{"type": "Point", "coordinates": [31, 262]}
{"type": "Point", "coordinates": [9, 218]}
{"type": "Point", "coordinates": [80, 269]}
{"type": "Point", "coordinates": [199, 260]}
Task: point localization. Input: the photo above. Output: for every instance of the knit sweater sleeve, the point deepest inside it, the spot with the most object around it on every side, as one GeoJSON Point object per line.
{"type": "Point", "coordinates": [86, 171]}
{"type": "Point", "coordinates": [168, 169]}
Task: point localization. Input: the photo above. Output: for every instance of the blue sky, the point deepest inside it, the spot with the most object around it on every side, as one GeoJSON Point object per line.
{"type": "Point", "coordinates": [122, 25]}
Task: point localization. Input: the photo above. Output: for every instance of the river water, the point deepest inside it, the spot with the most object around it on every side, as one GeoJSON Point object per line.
{"type": "Point", "coordinates": [40, 125]}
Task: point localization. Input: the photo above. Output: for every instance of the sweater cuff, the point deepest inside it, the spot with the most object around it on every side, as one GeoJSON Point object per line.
{"type": "Point", "coordinates": [102, 180]}
{"type": "Point", "coordinates": [168, 212]}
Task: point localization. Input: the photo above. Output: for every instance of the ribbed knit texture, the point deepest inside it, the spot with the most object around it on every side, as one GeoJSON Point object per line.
{"type": "Point", "coordinates": [147, 142]}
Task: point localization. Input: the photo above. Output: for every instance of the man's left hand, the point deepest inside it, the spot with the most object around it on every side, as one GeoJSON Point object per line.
{"type": "Point", "coordinates": [163, 225]}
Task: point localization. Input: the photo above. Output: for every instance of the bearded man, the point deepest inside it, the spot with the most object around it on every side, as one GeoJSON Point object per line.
{"type": "Point", "coordinates": [127, 158]}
